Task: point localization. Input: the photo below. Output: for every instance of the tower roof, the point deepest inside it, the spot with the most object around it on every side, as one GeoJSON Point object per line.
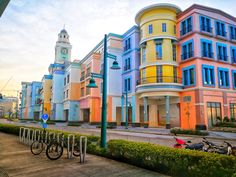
{"type": "Point", "coordinates": [63, 31]}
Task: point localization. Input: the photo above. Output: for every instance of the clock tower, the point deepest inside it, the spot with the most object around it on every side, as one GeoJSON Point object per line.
{"type": "Point", "coordinates": [63, 48]}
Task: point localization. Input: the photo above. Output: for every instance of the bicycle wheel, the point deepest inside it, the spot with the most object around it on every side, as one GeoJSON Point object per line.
{"type": "Point", "coordinates": [76, 151]}
{"type": "Point", "coordinates": [36, 147]}
{"type": "Point", "coordinates": [54, 151]}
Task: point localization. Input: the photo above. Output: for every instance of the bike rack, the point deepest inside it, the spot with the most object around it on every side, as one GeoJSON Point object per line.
{"type": "Point", "coordinates": [25, 135]}
{"type": "Point", "coordinates": [20, 134]}
{"type": "Point", "coordinates": [30, 136]}
{"type": "Point", "coordinates": [58, 138]}
{"type": "Point", "coordinates": [83, 153]}
{"type": "Point", "coordinates": [70, 145]}
{"type": "Point", "coordinates": [51, 136]}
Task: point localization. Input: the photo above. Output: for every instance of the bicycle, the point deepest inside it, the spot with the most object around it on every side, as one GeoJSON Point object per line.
{"type": "Point", "coordinates": [38, 145]}
{"type": "Point", "coordinates": [55, 148]}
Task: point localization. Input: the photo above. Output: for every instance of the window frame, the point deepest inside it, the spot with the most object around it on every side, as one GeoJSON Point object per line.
{"type": "Point", "coordinates": [188, 68]}
{"type": "Point", "coordinates": [208, 68]}
{"type": "Point", "coordinates": [224, 81]}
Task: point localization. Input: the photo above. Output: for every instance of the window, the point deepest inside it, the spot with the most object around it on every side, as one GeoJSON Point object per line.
{"type": "Point", "coordinates": [223, 77]}
{"type": "Point", "coordinates": [233, 110]}
{"type": "Point", "coordinates": [67, 94]}
{"type": "Point", "coordinates": [158, 51]}
{"type": "Point", "coordinates": [234, 78]}
{"type": "Point", "coordinates": [206, 47]}
{"type": "Point", "coordinates": [87, 91]}
{"type": "Point", "coordinates": [208, 75]}
{"type": "Point", "coordinates": [189, 76]}
{"type": "Point", "coordinates": [143, 54]}
{"type": "Point", "coordinates": [159, 73]}
{"type": "Point", "coordinates": [233, 54]}
{"type": "Point", "coordinates": [213, 111]}
{"type": "Point", "coordinates": [174, 52]}
{"type": "Point", "coordinates": [88, 72]}
{"type": "Point", "coordinates": [232, 30]}
{"type": "Point", "coordinates": [205, 24]}
{"type": "Point", "coordinates": [174, 29]}
{"type": "Point", "coordinates": [150, 29]}
{"type": "Point", "coordinates": [143, 75]}
{"type": "Point", "coordinates": [187, 50]}
{"type": "Point", "coordinates": [175, 74]}
{"type": "Point", "coordinates": [127, 44]}
{"type": "Point", "coordinates": [82, 75]}
{"type": "Point", "coordinates": [141, 33]}
{"type": "Point", "coordinates": [68, 78]}
{"type": "Point", "coordinates": [127, 85]}
{"type": "Point", "coordinates": [221, 51]}
{"type": "Point", "coordinates": [186, 26]}
{"type": "Point", "coordinates": [220, 29]}
{"type": "Point", "coordinates": [163, 27]}
{"type": "Point", "coordinates": [65, 81]}
{"type": "Point", "coordinates": [82, 91]}
{"type": "Point", "coordinates": [127, 64]}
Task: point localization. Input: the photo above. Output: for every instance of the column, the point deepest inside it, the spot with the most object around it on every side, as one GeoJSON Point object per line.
{"type": "Point", "coordinates": [167, 112]}
{"type": "Point", "coordinates": [145, 104]}
{"type": "Point", "coordinates": [122, 109]}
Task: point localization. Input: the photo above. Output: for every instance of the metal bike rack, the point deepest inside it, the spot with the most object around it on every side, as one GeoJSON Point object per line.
{"type": "Point", "coordinates": [25, 135]}
{"type": "Point", "coordinates": [30, 136]}
{"type": "Point", "coordinates": [83, 151]}
{"type": "Point", "coordinates": [58, 138]}
{"type": "Point", "coordinates": [20, 134]}
{"type": "Point", "coordinates": [51, 136]}
{"type": "Point", "coordinates": [70, 145]}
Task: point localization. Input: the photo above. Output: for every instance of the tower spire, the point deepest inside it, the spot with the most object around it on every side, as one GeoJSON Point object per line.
{"type": "Point", "coordinates": [64, 26]}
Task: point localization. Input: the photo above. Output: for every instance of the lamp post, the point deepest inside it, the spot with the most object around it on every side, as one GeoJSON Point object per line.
{"type": "Point", "coordinates": [127, 109]}
{"type": "Point", "coordinates": [92, 84]}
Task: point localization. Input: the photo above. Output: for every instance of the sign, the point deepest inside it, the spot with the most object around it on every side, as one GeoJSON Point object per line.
{"type": "Point", "coordinates": [45, 117]}
{"type": "Point", "coordinates": [111, 56]}
{"type": "Point", "coordinates": [44, 125]}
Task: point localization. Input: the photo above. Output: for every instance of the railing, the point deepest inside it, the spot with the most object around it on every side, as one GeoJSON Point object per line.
{"type": "Point", "coordinates": [82, 78]}
{"type": "Point", "coordinates": [206, 28]}
{"type": "Point", "coordinates": [159, 79]}
{"type": "Point", "coordinates": [187, 55]}
{"type": "Point", "coordinates": [221, 33]}
{"type": "Point", "coordinates": [208, 54]}
{"type": "Point", "coordinates": [222, 57]}
{"type": "Point", "coordinates": [186, 30]}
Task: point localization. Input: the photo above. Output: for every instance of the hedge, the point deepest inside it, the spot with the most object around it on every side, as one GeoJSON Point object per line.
{"type": "Point", "coordinates": [188, 132]}
{"type": "Point", "coordinates": [226, 124]}
{"type": "Point", "coordinates": [170, 161]}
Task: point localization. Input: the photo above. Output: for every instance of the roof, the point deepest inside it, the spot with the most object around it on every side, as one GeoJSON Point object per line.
{"type": "Point", "coordinates": [156, 6]}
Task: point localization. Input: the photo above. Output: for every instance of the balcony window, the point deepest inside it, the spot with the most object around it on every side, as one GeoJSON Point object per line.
{"type": "Point", "coordinates": [68, 78]}
{"type": "Point", "coordinates": [174, 52]}
{"type": "Point", "coordinates": [159, 73]}
{"type": "Point", "coordinates": [150, 30]}
{"type": "Point", "coordinates": [205, 24]}
{"type": "Point", "coordinates": [221, 52]}
{"type": "Point", "coordinates": [127, 82]}
{"type": "Point", "coordinates": [223, 77]}
{"type": "Point", "coordinates": [220, 29]}
{"type": "Point", "coordinates": [208, 75]}
{"type": "Point", "coordinates": [88, 72]}
{"type": "Point", "coordinates": [143, 54]}
{"type": "Point", "coordinates": [82, 92]}
{"type": "Point", "coordinates": [186, 26]}
{"type": "Point", "coordinates": [158, 51]}
{"type": "Point", "coordinates": [234, 78]}
{"type": "Point", "coordinates": [127, 44]}
{"type": "Point", "coordinates": [233, 54]}
{"type": "Point", "coordinates": [232, 30]}
{"type": "Point", "coordinates": [206, 48]}
{"type": "Point", "coordinates": [187, 50]}
{"type": "Point", "coordinates": [189, 76]}
{"type": "Point", "coordinates": [127, 64]}
{"type": "Point", "coordinates": [163, 27]}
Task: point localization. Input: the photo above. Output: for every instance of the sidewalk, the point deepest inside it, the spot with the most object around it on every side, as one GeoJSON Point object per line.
{"type": "Point", "coordinates": [17, 160]}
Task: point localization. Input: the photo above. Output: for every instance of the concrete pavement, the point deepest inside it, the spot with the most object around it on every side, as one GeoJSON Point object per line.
{"type": "Point", "coordinates": [17, 160]}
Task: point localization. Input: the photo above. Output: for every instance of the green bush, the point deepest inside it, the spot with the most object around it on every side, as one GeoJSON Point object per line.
{"type": "Point", "coordinates": [218, 119]}
{"type": "Point", "coordinates": [188, 132]}
{"type": "Point", "coordinates": [108, 126]}
{"type": "Point", "coordinates": [174, 162]}
{"type": "Point", "coordinates": [226, 119]}
{"type": "Point", "coordinates": [226, 124]}
{"type": "Point", "coordinates": [232, 119]}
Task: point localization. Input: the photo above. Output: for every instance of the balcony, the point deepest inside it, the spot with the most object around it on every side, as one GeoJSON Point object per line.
{"type": "Point", "coordinates": [222, 57]}
{"type": "Point", "coordinates": [187, 55]}
{"type": "Point", "coordinates": [208, 54]}
{"type": "Point", "coordinates": [186, 30]}
{"type": "Point", "coordinates": [159, 83]}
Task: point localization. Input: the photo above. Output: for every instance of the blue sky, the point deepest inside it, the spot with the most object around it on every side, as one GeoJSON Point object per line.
{"type": "Point", "coordinates": [29, 28]}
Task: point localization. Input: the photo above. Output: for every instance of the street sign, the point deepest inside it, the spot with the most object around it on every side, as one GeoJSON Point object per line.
{"type": "Point", "coordinates": [45, 117]}
{"type": "Point", "coordinates": [111, 56]}
{"type": "Point", "coordinates": [44, 125]}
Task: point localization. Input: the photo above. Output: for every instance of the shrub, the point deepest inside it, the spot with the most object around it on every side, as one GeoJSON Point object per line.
{"type": "Point", "coordinates": [188, 132]}
{"type": "Point", "coordinates": [218, 119]}
{"type": "Point", "coordinates": [226, 119]}
{"type": "Point", "coordinates": [226, 124]}
{"type": "Point", "coordinates": [232, 119]}
{"type": "Point", "coordinates": [174, 162]}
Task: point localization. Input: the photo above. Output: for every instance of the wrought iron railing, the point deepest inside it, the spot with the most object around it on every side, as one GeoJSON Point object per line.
{"type": "Point", "coordinates": [186, 30]}
{"type": "Point", "coordinates": [159, 79]}
{"type": "Point", "coordinates": [206, 28]}
{"type": "Point", "coordinates": [208, 54]}
{"type": "Point", "coordinates": [187, 55]}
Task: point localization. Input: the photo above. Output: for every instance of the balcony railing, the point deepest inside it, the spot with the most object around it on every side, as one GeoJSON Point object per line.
{"type": "Point", "coordinates": [206, 28]}
{"type": "Point", "coordinates": [233, 59]}
{"type": "Point", "coordinates": [221, 33]}
{"type": "Point", "coordinates": [187, 55]}
{"type": "Point", "coordinates": [233, 37]}
{"type": "Point", "coordinates": [222, 57]}
{"type": "Point", "coordinates": [186, 30]}
{"type": "Point", "coordinates": [160, 79]}
{"type": "Point", "coordinates": [208, 54]}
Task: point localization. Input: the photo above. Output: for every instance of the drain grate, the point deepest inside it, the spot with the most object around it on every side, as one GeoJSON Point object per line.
{"type": "Point", "coordinates": [3, 173]}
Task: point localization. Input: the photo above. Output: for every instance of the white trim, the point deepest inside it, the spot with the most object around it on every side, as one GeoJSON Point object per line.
{"type": "Point", "coordinates": [157, 63]}
{"type": "Point", "coordinates": [157, 37]}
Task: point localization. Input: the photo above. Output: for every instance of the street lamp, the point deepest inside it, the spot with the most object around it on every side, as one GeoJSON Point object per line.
{"type": "Point", "coordinates": [92, 84]}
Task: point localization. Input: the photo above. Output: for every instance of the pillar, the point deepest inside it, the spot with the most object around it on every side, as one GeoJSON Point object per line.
{"type": "Point", "coordinates": [145, 104]}
{"type": "Point", "coordinates": [167, 98]}
{"type": "Point", "coordinates": [122, 109]}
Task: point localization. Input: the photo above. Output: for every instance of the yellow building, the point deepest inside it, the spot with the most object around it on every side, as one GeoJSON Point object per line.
{"type": "Point", "coordinates": [46, 94]}
{"type": "Point", "coordinates": [159, 86]}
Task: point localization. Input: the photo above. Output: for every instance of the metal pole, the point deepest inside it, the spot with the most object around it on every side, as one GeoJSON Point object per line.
{"type": "Point", "coordinates": [127, 108]}
{"type": "Point", "coordinates": [104, 97]}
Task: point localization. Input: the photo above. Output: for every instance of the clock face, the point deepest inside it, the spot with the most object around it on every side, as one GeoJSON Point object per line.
{"type": "Point", "coordinates": [64, 51]}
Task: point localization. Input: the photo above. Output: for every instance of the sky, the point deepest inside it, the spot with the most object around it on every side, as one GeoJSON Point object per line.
{"type": "Point", "coordinates": [29, 29]}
